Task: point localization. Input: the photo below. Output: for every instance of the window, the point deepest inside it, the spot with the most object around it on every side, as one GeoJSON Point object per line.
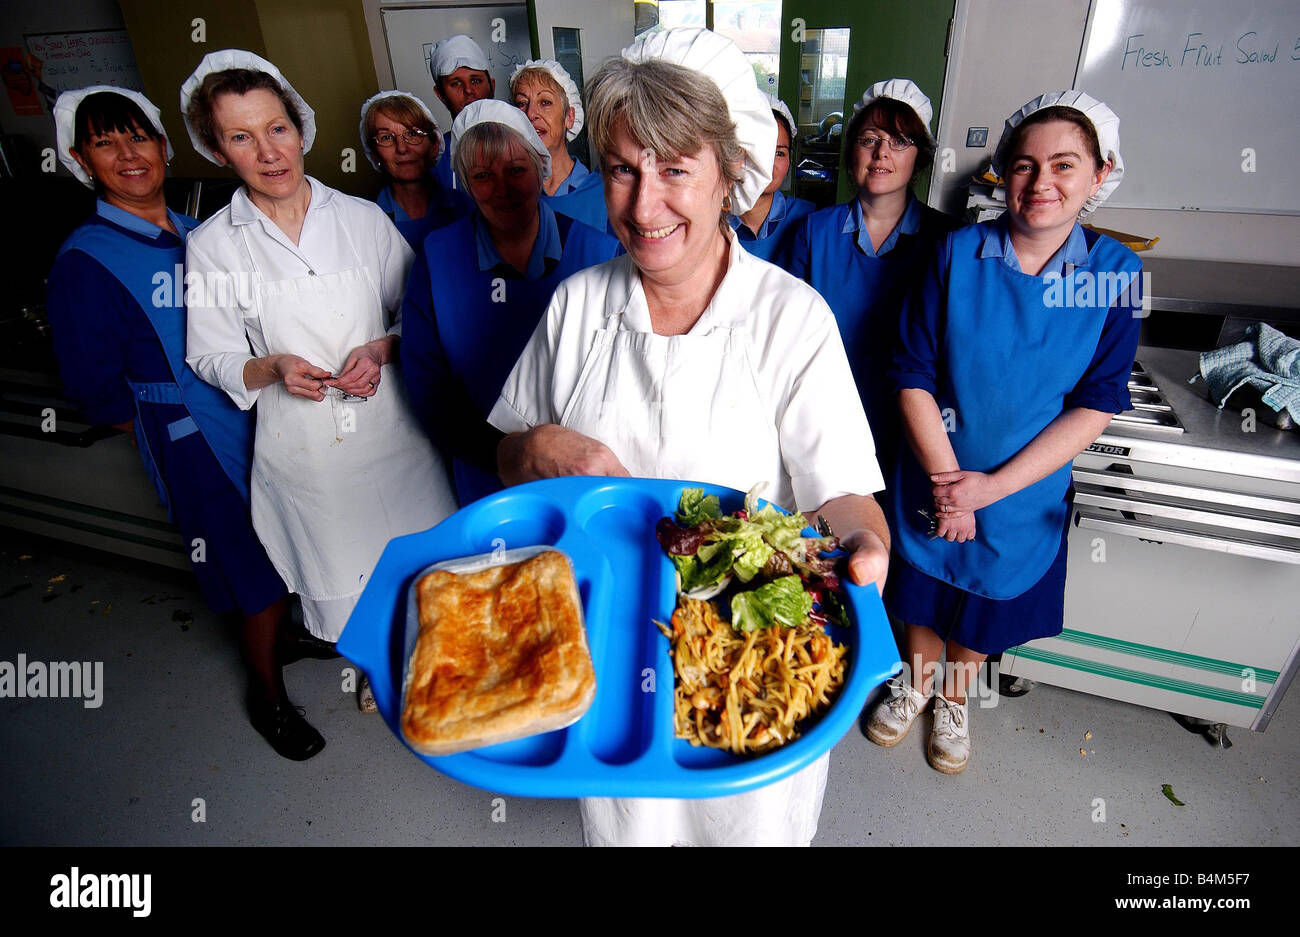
{"type": "Point", "coordinates": [755, 26]}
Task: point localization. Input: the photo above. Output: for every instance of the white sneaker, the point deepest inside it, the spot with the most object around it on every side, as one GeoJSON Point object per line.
{"type": "Point", "coordinates": [949, 747]}
{"type": "Point", "coordinates": [893, 717]}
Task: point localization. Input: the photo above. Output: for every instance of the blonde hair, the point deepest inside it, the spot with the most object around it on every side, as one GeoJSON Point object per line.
{"type": "Point", "coordinates": [547, 80]}
{"type": "Point", "coordinates": [669, 109]}
{"type": "Point", "coordinates": [488, 142]}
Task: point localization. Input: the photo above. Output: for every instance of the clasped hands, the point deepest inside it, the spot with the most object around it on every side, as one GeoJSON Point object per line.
{"type": "Point", "coordinates": [957, 496]}
{"type": "Point", "coordinates": [359, 377]}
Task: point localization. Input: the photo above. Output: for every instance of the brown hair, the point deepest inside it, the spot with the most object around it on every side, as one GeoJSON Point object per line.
{"type": "Point", "coordinates": [406, 112]}
{"type": "Point", "coordinates": [237, 81]}
{"type": "Point", "coordinates": [1056, 112]}
{"type": "Point", "coordinates": [897, 119]}
{"type": "Point", "coordinates": [669, 109]}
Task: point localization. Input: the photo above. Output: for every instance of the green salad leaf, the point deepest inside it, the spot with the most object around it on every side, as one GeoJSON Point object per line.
{"type": "Point", "coordinates": [696, 506]}
{"type": "Point", "coordinates": [780, 602]}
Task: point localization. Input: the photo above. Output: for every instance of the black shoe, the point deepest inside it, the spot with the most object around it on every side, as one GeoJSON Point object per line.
{"type": "Point", "coordinates": [282, 724]}
{"type": "Point", "coordinates": [296, 643]}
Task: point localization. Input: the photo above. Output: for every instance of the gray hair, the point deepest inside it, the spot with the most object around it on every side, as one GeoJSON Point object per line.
{"type": "Point", "coordinates": [488, 142]}
{"type": "Point", "coordinates": [669, 109]}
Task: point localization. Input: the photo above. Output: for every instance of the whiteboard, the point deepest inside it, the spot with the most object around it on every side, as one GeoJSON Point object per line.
{"type": "Point", "coordinates": [411, 32]}
{"type": "Point", "coordinates": [1208, 96]}
{"type": "Point", "coordinates": [88, 57]}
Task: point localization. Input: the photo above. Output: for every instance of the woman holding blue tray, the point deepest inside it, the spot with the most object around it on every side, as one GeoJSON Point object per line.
{"type": "Point", "coordinates": [691, 358]}
{"type": "Point", "coordinates": [1037, 294]}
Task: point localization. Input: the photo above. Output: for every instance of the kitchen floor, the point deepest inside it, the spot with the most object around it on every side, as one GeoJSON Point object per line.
{"type": "Point", "coordinates": [170, 747]}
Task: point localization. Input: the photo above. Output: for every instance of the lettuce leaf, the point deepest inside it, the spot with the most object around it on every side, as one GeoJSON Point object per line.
{"type": "Point", "coordinates": [696, 506]}
{"type": "Point", "coordinates": [781, 602]}
{"type": "Point", "coordinates": [697, 573]}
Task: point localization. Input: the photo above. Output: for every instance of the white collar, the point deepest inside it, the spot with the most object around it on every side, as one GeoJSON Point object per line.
{"type": "Point", "coordinates": [243, 211]}
{"type": "Point", "coordinates": [729, 305]}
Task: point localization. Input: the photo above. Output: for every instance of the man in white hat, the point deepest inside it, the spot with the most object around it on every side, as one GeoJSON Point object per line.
{"type": "Point", "coordinates": [459, 68]}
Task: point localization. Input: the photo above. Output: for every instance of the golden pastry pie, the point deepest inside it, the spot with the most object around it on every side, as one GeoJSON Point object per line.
{"type": "Point", "coordinates": [501, 653]}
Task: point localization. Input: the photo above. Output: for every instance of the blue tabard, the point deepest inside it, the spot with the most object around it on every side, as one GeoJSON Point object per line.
{"type": "Point", "coordinates": [1009, 353]}
{"type": "Point", "coordinates": [482, 319]}
{"type": "Point", "coordinates": [156, 273]}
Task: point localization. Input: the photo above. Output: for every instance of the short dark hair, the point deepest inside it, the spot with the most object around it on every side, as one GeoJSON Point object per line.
{"type": "Point", "coordinates": [1056, 112]}
{"type": "Point", "coordinates": [898, 119]}
{"type": "Point", "coordinates": [238, 81]}
{"type": "Point", "coordinates": [109, 112]}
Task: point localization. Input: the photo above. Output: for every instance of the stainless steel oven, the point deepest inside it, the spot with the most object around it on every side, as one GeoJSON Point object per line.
{"type": "Point", "coordinates": [1183, 581]}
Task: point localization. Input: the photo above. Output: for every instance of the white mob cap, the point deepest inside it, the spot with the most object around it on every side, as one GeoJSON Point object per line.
{"type": "Point", "coordinates": [1103, 120]}
{"type": "Point", "coordinates": [493, 111]}
{"type": "Point", "coordinates": [368, 145]}
{"type": "Point", "coordinates": [557, 71]}
{"type": "Point", "coordinates": [778, 105]}
{"type": "Point", "coordinates": [455, 52]}
{"type": "Point", "coordinates": [65, 124]}
{"type": "Point", "coordinates": [226, 60]}
{"type": "Point", "coordinates": [905, 91]}
{"type": "Point", "coordinates": [720, 60]}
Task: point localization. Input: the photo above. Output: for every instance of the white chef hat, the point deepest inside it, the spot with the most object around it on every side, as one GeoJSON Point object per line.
{"type": "Point", "coordinates": [455, 52]}
{"type": "Point", "coordinates": [778, 105]}
{"type": "Point", "coordinates": [367, 145]}
{"type": "Point", "coordinates": [557, 71]}
{"type": "Point", "coordinates": [225, 60]}
{"type": "Point", "coordinates": [905, 91]}
{"type": "Point", "coordinates": [493, 111]}
{"type": "Point", "coordinates": [719, 59]}
{"type": "Point", "coordinates": [1103, 120]}
{"type": "Point", "coordinates": [65, 124]}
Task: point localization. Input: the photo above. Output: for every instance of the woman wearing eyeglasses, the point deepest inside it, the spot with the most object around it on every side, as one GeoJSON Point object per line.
{"type": "Point", "coordinates": [865, 255]}
{"type": "Point", "coordinates": [401, 139]}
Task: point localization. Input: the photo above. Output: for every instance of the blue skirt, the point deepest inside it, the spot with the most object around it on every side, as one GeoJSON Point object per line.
{"type": "Point", "coordinates": [984, 625]}
{"type": "Point", "coordinates": [232, 567]}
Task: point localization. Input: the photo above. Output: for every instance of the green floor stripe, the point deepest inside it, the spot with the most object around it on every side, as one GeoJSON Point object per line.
{"type": "Point", "coordinates": [93, 528]}
{"type": "Point", "coordinates": [106, 513]}
{"type": "Point", "coordinates": [1235, 697]}
{"type": "Point", "coordinates": [1210, 664]}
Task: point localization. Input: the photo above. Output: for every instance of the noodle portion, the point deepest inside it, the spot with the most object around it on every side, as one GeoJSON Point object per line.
{"type": "Point", "coordinates": [746, 692]}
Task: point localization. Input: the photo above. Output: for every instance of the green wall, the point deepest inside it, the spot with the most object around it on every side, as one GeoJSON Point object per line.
{"type": "Point", "coordinates": [321, 46]}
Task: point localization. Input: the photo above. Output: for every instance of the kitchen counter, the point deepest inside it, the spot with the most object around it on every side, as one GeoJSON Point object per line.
{"type": "Point", "coordinates": [1214, 440]}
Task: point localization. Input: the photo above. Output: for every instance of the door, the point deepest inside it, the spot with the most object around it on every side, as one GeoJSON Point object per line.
{"type": "Point", "coordinates": [580, 34]}
{"type": "Point", "coordinates": [830, 47]}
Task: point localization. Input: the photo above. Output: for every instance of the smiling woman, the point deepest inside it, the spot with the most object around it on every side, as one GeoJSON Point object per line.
{"type": "Point", "coordinates": [122, 357]}
{"type": "Point", "coordinates": [402, 140]}
{"type": "Point", "coordinates": [690, 358]}
{"type": "Point", "coordinates": [1004, 472]}
{"type": "Point", "coordinates": [463, 332]}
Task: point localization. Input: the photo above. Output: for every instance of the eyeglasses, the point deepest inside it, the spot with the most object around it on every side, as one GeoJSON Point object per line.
{"type": "Point", "coordinates": [869, 141]}
{"type": "Point", "coordinates": [385, 139]}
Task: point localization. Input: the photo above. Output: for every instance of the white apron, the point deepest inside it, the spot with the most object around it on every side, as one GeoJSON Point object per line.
{"type": "Point", "coordinates": [689, 406]}
{"type": "Point", "coordinates": [333, 481]}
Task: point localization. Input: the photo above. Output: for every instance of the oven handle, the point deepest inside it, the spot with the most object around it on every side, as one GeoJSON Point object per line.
{"type": "Point", "coordinates": [1245, 523]}
{"type": "Point", "coordinates": [1186, 538]}
{"type": "Point", "coordinates": [1236, 499]}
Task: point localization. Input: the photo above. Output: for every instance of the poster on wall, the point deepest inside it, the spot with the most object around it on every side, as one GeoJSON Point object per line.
{"type": "Point", "coordinates": [86, 57]}
{"type": "Point", "coordinates": [20, 82]}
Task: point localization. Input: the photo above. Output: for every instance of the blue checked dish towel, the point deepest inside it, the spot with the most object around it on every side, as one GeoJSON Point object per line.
{"type": "Point", "coordinates": [1268, 361]}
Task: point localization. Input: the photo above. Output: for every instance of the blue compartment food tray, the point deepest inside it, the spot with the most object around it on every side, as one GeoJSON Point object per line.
{"type": "Point", "coordinates": [624, 745]}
